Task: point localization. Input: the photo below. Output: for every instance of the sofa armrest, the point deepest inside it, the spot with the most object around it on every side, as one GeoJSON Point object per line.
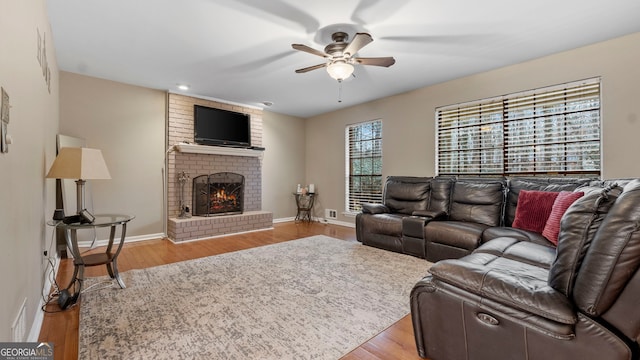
{"type": "Point", "coordinates": [431, 214]}
{"type": "Point", "coordinates": [507, 282]}
{"type": "Point", "coordinates": [369, 208]}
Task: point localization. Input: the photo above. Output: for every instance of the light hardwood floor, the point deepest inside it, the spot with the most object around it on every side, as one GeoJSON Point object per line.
{"type": "Point", "coordinates": [61, 328]}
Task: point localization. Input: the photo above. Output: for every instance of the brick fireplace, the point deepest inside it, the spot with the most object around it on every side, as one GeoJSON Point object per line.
{"type": "Point", "coordinates": [196, 160]}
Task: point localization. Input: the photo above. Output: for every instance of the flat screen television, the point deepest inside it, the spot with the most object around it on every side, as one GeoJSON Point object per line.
{"type": "Point", "coordinates": [221, 127]}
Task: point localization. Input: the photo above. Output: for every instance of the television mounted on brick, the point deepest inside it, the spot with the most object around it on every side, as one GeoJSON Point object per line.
{"type": "Point", "coordinates": [221, 127]}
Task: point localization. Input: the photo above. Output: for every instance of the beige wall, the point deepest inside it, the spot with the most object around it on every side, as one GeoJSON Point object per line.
{"type": "Point", "coordinates": [408, 119]}
{"type": "Point", "coordinates": [283, 165]}
{"type": "Point", "coordinates": [128, 124]}
{"type": "Point", "coordinates": [27, 199]}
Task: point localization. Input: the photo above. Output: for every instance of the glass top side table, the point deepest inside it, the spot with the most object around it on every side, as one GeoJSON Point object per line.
{"type": "Point", "coordinates": [108, 257]}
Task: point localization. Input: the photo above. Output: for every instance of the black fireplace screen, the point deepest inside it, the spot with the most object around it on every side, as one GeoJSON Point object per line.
{"type": "Point", "coordinates": [218, 194]}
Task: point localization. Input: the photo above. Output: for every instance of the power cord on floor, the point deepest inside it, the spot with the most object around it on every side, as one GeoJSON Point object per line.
{"type": "Point", "coordinates": [54, 297]}
{"type": "Point", "coordinates": [106, 285]}
{"type": "Point", "coordinates": [55, 290]}
{"type": "Point", "coordinates": [49, 272]}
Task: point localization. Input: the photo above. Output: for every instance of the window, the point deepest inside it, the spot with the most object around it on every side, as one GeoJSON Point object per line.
{"type": "Point", "coordinates": [363, 164]}
{"type": "Point", "coordinates": [549, 131]}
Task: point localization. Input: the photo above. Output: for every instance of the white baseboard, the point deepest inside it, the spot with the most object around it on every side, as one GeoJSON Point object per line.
{"type": "Point", "coordinates": [335, 222]}
{"type": "Point", "coordinates": [317, 219]}
{"type": "Point", "coordinates": [127, 239]}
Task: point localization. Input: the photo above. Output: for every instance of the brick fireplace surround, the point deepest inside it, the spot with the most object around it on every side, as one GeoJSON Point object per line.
{"type": "Point", "coordinates": [200, 160]}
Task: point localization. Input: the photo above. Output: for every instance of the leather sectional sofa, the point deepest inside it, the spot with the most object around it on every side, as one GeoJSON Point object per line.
{"type": "Point", "coordinates": [457, 214]}
{"type": "Point", "coordinates": [499, 292]}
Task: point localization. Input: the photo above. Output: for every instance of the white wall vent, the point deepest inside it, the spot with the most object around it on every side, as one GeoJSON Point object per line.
{"type": "Point", "coordinates": [330, 214]}
{"type": "Point", "coordinates": [19, 327]}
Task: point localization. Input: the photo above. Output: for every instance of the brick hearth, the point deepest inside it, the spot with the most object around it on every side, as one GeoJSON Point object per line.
{"type": "Point", "coordinates": [193, 163]}
{"type": "Point", "coordinates": [197, 228]}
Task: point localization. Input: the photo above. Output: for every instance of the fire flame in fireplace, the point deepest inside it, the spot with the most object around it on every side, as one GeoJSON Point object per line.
{"type": "Point", "coordinates": [221, 200]}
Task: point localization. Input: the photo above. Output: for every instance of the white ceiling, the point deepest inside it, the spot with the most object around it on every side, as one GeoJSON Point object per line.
{"type": "Point", "coordinates": [240, 50]}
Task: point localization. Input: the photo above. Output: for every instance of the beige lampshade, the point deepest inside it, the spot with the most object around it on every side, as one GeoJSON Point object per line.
{"type": "Point", "coordinates": [79, 163]}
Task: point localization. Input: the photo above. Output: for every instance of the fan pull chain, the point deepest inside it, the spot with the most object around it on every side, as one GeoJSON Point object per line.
{"type": "Point", "coordinates": [340, 91]}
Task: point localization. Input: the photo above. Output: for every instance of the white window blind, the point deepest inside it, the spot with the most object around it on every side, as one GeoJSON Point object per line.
{"type": "Point", "coordinates": [363, 160]}
{"type": "Point", "coordinates": [553, 130]}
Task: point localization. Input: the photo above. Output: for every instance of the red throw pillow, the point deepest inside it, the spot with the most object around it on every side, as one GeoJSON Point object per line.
{"type": "Point", "coordinates": [560, 206]}
{"type": "Point", "coordinates": [533, 209]}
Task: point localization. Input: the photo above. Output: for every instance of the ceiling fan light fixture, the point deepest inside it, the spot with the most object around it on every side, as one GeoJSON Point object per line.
{"type": "Point", "coordinates": [340, 70]}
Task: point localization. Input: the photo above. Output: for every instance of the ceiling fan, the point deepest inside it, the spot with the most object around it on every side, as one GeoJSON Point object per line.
{"type": "Point", "coordinates": [340, 55]}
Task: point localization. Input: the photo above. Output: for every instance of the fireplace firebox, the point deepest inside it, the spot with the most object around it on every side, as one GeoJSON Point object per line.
{"type": "Point", "coordinates": [218, 194]}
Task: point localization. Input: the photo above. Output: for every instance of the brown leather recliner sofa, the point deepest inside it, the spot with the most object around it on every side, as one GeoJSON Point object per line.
{"type": "Point", "coordinates": [498, 292]}
{"type": "Point", "coordinates": [513, 298]}
{"type": "Point", "coordinates": [443, 218]}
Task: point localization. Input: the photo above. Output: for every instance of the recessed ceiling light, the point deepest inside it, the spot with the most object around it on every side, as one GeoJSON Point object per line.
{"type": "Point", "coordinates": [267, 103]}
{"type": "Point", "coordinates": [183, 87]}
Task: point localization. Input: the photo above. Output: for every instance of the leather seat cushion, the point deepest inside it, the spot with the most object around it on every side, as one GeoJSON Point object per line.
{"type": "Point", "coordinates": [508, 282]}
{"type": "Point", "coordinates": [520, 234]}
{"type": "Point", "coordinates": [460, 234]}
{"type": "Point", "coordinates": [520, 250]}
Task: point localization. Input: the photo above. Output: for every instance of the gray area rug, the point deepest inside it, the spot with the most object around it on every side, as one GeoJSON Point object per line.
{"type": "Point", "coordinates": [313, 298]}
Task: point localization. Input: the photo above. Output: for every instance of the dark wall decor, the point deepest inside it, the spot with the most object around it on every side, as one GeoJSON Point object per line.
{"type": "Point", "coordinates": [4, 123]}
{"type": "Point", "coordinates": [42, 59]}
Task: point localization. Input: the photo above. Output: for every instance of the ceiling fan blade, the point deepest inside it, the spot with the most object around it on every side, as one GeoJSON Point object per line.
{"type": "Point", "coordinates": [260, 64]}
{"type": "Point", "coordinates": [377, 61]}
{"type": "Point", "coordinates": [370, 12]}
{"type": "Point", "coordinates": [309, 68]}
{"type": "Point", "coordinates": [359, 41]}
{"type": "Point", "coordinates": [279, 11]}
{"type": "Point", "coordinates": [310, 50]}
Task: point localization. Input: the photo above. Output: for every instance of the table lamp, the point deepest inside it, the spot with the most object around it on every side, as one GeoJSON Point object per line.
{"type": "Point", "coordinates": [81, 164]}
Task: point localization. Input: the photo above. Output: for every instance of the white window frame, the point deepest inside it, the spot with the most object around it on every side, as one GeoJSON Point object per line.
{"type": "Point", "coordinates": [554, 130]}
{"type": "Point", "coordinates": [373, 180]}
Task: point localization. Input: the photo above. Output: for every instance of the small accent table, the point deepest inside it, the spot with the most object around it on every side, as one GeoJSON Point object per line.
{"type": "Point", "coordinates": [304, 202]}
{"type": "Point", "coordinates": [108, 258]}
